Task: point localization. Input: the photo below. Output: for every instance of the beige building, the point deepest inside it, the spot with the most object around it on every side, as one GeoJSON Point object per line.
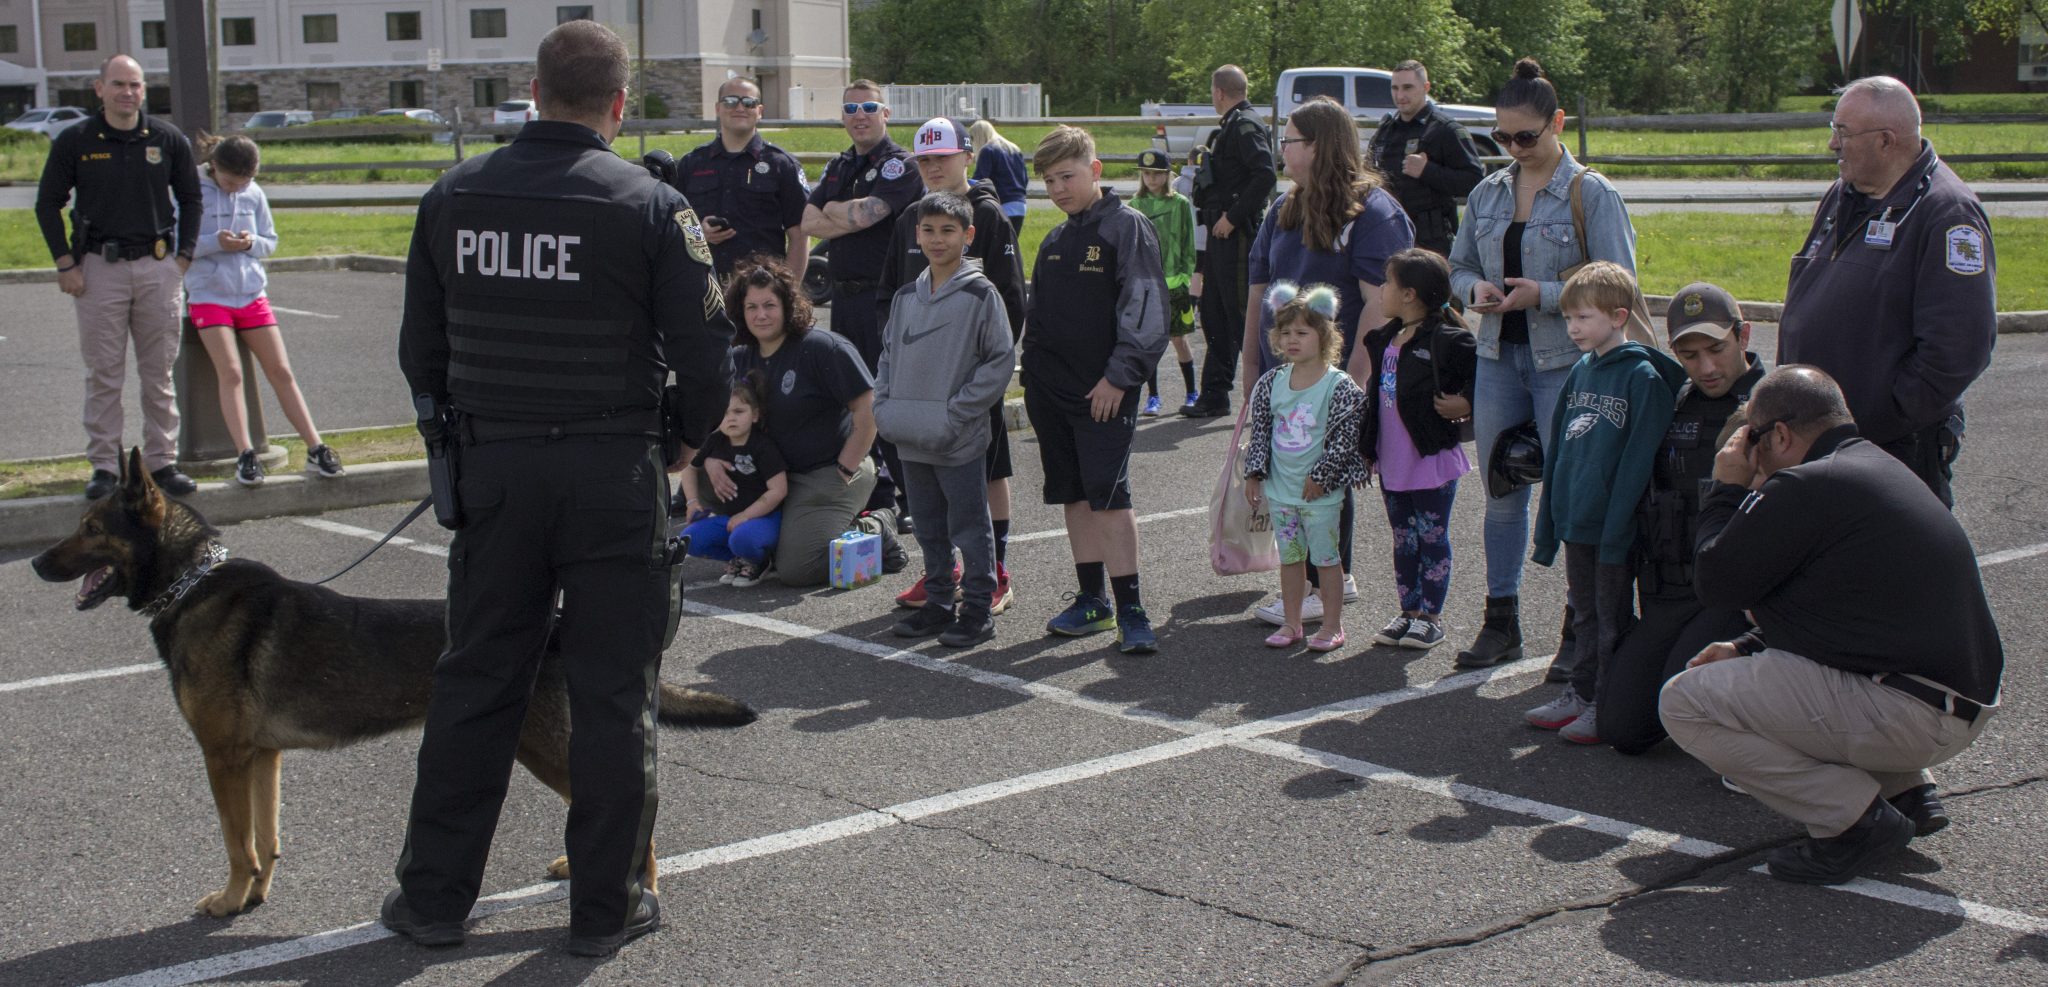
{"type": "Point", "coordinates": [325, 55]}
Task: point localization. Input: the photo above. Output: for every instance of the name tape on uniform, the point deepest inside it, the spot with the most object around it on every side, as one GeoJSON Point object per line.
{"type": "Point", "coordinates": [536, 256]}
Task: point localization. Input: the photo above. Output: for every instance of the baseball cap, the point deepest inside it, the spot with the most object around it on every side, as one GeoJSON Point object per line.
{"type": "Point", "coordinates": [940, 135]}
{"type": "Point", "coordinates": [1702, 308]}
{"type": "Point", "coordinates": [1153, 159]}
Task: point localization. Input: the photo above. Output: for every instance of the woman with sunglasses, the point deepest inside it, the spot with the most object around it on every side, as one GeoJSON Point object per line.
{"type": "Point", "coordinates": [1338, 226]}
{"type": "Point", "coordinates": [1507, 265]}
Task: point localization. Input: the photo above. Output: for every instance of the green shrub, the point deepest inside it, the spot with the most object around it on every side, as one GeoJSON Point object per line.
{"type": "Point", "coordinates": [23, 141]}
{"type": "Point", "coordinates": [653, 107]}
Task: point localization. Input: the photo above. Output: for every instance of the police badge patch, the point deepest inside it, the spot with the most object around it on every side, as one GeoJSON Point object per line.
{"type": "Point", "coordinates": [153, 155]}
{"type": "Point", "coordinates": [1694, 305]}
{"type": "Point", "coordinates": [892, 169]}
{"type": "Point", "coordinates": [693, 236]}
{"type": "Point", "coordinates": [1965, 250]}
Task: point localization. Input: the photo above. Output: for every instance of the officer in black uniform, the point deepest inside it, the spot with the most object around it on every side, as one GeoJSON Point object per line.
{"type": "Point", "coordinates": [1709, 336]}
{"type": "Point", "coordinates": [864, 186]}
{"type": "Point", "coordinates": [1428, 159]}
{"type": "Point", "coordinates": [749, 193]}
{"type": "Point", "coordinates": [550, 290]}
{"type": "Point", "coordinates": [1229, 202]}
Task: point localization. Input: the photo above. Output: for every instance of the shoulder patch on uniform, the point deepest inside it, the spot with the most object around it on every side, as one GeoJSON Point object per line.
{"type": "Point", "coordinates": [892, 169]}
{"type": "Point", "coordinates": [693, 236]}
{"type": "Point", "coordinates": [1965, 249]}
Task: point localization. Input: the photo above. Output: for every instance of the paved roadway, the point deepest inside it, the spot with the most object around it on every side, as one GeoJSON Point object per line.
{"type": "Point", "coordinates": [1037, 811]}
{"type": "Point", "coordinates": [1636, 190]}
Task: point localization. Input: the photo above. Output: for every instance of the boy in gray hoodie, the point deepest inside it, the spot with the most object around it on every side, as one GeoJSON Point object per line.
{"type": "Point", "coordinates": [946, 360]}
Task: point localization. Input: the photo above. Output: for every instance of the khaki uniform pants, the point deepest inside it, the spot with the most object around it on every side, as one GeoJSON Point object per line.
{"type": "Point", "coordinates": [1812, 742]}
{"type": "Point", "coordinates": [138, 300]}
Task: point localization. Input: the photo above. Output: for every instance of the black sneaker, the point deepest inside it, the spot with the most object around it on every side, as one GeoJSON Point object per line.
{"type": "Point", "coordinates": [1881, 832]}
{"type": "Point", "coordinates": [1206, 407]}
{"type": "Point", "coordinates": [398, 916]}
{"type": "Point", "coordinates": [1923, 807]}
{"type": "Point", "coordinates": [173, 482]}
{"type": "Point", "coordinates": [972, 627]}
{"type": "Point", "coordinates": [323, 460]}
{"type": "Point", "coordinates": [905, 524]}
{"type": "Point", "coordinates": [645, 919]}
{"type": "Point", "coordinates": [926, 621]}
{"type": "Point", "coordinates": [101, 484]}
{"type": "Point", "coordinates": [249, 469]}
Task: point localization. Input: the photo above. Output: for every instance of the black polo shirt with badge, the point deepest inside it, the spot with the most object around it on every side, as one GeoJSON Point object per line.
{"type": "Point", "coordinates": [885, 172]}
{"type": "Point", "coordinates": [134, 187]}
{"type": "Point", "coordinates": [759, 192]}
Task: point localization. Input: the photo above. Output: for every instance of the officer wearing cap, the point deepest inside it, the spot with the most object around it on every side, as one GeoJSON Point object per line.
{"type": "Point", "coordinates": [850, 206]}
{"type": "Point", "coordinates": [1710, 338]}
{"type": "Point", "coordinates": [1229, 204]}
{"type": "Point", "coordinates": [552, 288]}
{"type": "Point", "coordinates": [1427, 157]}
{"type": "Point", "coordinates": [134, 223]}
{"type": "Point", "coordinates": [1893, 292]}
{"type": "Point", "coordinates": [749, 193]}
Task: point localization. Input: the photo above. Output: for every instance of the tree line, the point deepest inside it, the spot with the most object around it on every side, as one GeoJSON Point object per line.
{"type": "Point", "coordinates": [1625, 56]}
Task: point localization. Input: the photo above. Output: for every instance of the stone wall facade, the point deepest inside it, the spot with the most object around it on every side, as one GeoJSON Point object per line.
{"type": "Point", "coordinates": [677, 82]}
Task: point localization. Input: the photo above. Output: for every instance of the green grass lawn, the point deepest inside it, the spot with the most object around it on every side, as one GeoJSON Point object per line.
{"type": "Point", "coordinates": [1938, 103]}
{"type": "Point", "coordinates": [1746, 253]}
{"type": "Point", "coordinates": [1958, 138]}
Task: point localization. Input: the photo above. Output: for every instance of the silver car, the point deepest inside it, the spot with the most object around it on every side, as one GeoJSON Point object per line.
{"type": "Point", "coordinates": [50, 122]}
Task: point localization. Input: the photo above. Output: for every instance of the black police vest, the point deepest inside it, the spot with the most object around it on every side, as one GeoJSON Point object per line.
{"type": "Point", "coordinates": [540, 327]}
{"type": "Point", "coordinates": [1074, 309]}
{"type": "Point", "coordinates": [1667, 528]}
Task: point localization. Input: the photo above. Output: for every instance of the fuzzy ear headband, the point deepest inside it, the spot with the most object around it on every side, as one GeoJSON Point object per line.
{"type": "Point", "coordinates": [1319, 298]}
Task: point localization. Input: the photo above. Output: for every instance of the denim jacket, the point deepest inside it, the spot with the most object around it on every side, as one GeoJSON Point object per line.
{"type": "Point", "coordinates": [220, 277]}
{"type": "Point", "coordinates": [1549, 245]}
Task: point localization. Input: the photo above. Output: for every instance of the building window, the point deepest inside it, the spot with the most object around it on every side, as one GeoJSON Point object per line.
{"type": "Point", "coordinates": [152, 35]}
{"type": "Point", "coordinates": [405, 95]}
{"type": "Point", "coordinates": [490, 92]}
{"type": "Point", "coordinates": [323, 96]}
{"type": "Point", "coordinates": [81, 37]}
{"type": "Point", "coordinates": [157, 100]}
{"type": "Point", "coordinates": [402, 26]}
{"type": "Point", "coordinates": [579, 12]}
{"type": "Point", "coordinates": [10, 39]}
{"type": "Point", "coordinates": [78, 97]}
{"type": "Point", "coordinates": [487, 23]}
{"type": "Point", "coordinates": [240, 97]}
{"type": "Point", "coordinates": [757, 18]}
{"type": "Point", "coordinates": [321, 29]}
{"type": "Point", "coordinates": [237, 31]}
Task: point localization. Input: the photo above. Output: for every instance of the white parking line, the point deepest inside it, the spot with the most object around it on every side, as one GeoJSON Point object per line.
{"type": "Point", "coordinates": [336, 527]}
{"type": "Point", "coordinates": [101, 673]}
{"type": "Point", "coordinates": [1142, 519]}
{"type": "Point", "coordinates": [2011, 555]}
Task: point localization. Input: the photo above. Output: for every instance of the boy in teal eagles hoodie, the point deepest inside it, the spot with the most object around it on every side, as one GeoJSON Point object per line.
{"type": "Point", "coordinates": [1609, 421]}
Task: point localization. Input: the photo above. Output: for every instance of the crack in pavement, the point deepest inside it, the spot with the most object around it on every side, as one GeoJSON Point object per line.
{"type": "Point", "coordinates": [779, 783]}
{"type": "Point", "coordinates": [1117, 879]}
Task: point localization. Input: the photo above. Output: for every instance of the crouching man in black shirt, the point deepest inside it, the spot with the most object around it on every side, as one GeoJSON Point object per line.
{"type": "Point", "coordinates": [1882, 658]}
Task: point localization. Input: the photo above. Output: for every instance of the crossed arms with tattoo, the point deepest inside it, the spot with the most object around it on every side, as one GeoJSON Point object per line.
{"type": "Point", "coordinates": [837, 219]}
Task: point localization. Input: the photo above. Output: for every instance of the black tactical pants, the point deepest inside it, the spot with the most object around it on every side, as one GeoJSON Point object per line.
{"type": "Point", "coordinates": [585, 515]}
{"type": "Point", "coordinates": [1225, 265]}
{"type": "Point", "coordinates": [1672, 629]}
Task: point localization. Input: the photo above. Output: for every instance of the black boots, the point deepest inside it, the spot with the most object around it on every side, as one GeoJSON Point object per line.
{"type": "Point", "coordinates": [1500, 638]}
{"type": "Point", "coordinates": [1881, 832]}
{"type": "Point", "coordinates": [1567, 657]}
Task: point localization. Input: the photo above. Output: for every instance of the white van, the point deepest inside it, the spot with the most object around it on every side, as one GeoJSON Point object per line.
{"type": "Point", "coordinates": [1367, 93]}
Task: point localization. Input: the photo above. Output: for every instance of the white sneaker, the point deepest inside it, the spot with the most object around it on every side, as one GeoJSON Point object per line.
{"type": "Point", "coordinates": [1558, 712]}
{"type": "Point", "coordinates": [1275, 612]}
{"type": "Point", "coordinates": [1350, 590]}
{"type": "Point", "coordinates": [1585, 729]}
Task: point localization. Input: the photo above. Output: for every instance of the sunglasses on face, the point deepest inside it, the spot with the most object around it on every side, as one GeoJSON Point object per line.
{"type": "Point", "coordinates": [1757, 432]}
{"type": "Point", "coordinates": [1525, 138]}
{"type": "Point", "coordinates": [1284, 141]}
{"type": "Point", "coordinates": [747, 101]}
{"type": "Point", "coordinates": [870, 107]}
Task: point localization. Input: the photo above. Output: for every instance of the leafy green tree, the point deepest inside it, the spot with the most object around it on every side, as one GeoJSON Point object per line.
{"type": "Point", "coordinates": [1267, 37]}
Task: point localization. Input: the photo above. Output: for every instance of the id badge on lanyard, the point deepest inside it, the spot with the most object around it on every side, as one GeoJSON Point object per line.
{"type": "Point", "coordinates": [1878, 235]}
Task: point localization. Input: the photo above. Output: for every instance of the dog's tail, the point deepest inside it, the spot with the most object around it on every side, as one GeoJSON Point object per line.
{"type": "Point", "coordinates": [685, 707]}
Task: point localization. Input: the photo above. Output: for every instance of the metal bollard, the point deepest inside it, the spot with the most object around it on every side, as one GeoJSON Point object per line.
{"type": "Point", "coordinates": [203, 442]}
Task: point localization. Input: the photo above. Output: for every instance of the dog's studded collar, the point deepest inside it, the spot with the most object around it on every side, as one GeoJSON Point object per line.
{"type": "Point", "coordinates": [216, 553]}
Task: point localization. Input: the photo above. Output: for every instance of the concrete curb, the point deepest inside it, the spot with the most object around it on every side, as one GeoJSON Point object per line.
{"type": "Point", "coordinates": [39, 522]}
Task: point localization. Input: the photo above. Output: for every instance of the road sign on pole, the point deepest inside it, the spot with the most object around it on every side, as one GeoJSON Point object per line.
{"type": "Point", "coordinates": [434, 57]}
{"type": "Point", "coordinates": [1846, 21]}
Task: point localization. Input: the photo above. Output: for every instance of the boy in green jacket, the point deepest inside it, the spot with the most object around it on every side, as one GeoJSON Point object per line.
{"type": "Point", "coordinates": [1173, 218]}
{"type": "Point", "coordinates": [1609, 421]}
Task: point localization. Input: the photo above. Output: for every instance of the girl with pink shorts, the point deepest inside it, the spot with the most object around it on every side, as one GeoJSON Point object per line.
{"type": "Point", "coordinates": [224, 294]}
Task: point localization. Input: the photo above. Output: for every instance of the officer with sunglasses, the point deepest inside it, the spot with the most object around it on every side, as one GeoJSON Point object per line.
{"type": "Point", "coordinates": [1892, 293]}
{"type": "Point", "coordinates": [864, 186]}
{"type": "Point", "coordinates": [749, 193]}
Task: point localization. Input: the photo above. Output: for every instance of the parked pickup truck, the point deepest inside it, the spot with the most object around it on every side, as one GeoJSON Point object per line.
{"type": "Point", "coordinates": [1367, 93]}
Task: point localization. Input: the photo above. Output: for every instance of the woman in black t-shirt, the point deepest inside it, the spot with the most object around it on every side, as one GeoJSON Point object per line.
{"type": "Point", "coordinates": [818, 408]}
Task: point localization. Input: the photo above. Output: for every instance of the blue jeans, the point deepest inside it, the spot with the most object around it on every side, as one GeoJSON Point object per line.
{"type": "Point", "coordinates": [753, 540]}
{"type": "Point", "coordinates": [1508, 392]}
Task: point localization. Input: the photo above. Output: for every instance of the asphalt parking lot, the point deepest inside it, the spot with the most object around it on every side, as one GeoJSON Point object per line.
{"type": "Point", "coordinates": [1032, 811]}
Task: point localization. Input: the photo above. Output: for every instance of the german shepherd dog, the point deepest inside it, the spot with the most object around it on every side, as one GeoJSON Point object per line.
{"type": "Point", "coordinates": [260, 664]}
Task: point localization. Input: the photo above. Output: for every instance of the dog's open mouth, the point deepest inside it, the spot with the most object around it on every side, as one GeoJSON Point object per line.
{"type": "Point", "coordinates": [96, 587]}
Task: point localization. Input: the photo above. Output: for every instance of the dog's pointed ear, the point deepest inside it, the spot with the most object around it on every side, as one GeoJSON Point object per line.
{"type": "Point", "coordinates": [133, 476]}
{"type": "Point", "coordinates": [139, 490]}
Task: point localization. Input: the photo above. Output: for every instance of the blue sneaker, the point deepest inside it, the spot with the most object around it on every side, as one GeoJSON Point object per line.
{"type": "Point", "coordinates": [1134, 632]}
{"type": "Point", "coordinates": [1193, 399]}
{"type": "Point", "coordinates": [1088, 614]}
{"type": "Point", "coordinates": [1151, 407]}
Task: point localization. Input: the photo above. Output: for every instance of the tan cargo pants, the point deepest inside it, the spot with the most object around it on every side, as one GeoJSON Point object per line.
{"type": "Point", "coordinates": [129, 300]}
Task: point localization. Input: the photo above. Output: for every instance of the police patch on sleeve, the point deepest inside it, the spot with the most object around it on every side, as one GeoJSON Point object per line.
{"type": "Point", "coordinates": [693, 236]}
{"type": "Point", "coordinates": [892, 169]}
{"type": "Point", "coordinates": [1965, 250]}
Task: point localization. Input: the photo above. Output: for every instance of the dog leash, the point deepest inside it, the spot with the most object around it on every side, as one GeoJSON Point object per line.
{"type": "Point", "coordinates": [417, 510]}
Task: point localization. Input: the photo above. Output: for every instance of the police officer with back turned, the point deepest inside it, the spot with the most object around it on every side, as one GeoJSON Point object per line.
{"type": "Point", "coordinates": [551, 288]}
{"type": "Point", "coordinates": [1230, 197]}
